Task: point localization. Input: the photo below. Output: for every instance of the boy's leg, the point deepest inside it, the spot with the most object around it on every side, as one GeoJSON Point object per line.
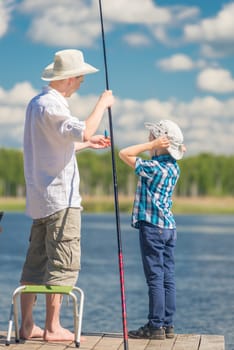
{"type": "Point", "coordinates": [152, 250]}
{"type": "Point", "coordinates": [169, 280]}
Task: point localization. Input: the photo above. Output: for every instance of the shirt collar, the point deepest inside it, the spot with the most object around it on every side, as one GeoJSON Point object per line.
{"type": "Point", "coordinates": [164, 157]}
{"type": "Point", "coordinates": [57, 94]}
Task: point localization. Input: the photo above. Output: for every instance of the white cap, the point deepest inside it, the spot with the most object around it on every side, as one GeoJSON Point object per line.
{"type": "Point", "coordinates": [172, 131]}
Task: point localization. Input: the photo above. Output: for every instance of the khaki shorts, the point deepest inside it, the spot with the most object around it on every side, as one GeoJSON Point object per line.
{"type": "Point", "coordinates": [53, 256]}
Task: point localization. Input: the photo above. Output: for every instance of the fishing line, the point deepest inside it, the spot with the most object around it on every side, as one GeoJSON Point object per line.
{"type": "Point", "coordinates": [119, 240]}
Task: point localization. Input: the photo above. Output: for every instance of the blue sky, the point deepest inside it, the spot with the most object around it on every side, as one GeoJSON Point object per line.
{"type": "Point", "coordinates": [166, 60]}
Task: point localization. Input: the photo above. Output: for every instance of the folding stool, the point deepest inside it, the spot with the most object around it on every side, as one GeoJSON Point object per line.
{"type": "Point", "coordinates": [42, 289]}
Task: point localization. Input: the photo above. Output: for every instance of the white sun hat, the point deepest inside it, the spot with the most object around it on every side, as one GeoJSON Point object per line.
{"type": "Point", "coordinates": [173, 132]}
{"type": "Point", "coordinates": [67, 64]}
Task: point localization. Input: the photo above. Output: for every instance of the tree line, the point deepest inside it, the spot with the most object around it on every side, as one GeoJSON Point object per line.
{"type": "Point", "coordinates": [201, 175]}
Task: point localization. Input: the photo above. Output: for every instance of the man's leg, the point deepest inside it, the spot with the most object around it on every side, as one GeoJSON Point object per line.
{"type": "Point", "coordinates": [63, 252]}
{"type": "Point", "coordinates": [53, 329]}
{"type": "Point", "coordinates": [33, 272]}
{"type": "Point", "coordinates": [28, 328]}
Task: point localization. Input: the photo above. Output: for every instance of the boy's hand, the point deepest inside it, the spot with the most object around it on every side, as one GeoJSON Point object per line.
{"type": "Point", "coordinates": [161, 142]}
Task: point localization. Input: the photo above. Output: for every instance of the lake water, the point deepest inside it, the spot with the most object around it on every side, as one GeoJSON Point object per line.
{"type": "Point", "coordinates": [204, 274]}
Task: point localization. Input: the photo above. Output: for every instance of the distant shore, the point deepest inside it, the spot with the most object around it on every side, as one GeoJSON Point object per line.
{"type": "Point", "coordinates": [98, 204]}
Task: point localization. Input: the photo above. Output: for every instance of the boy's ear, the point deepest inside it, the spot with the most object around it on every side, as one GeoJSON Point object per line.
{"type": "Point", "coordinates": [151, 136]}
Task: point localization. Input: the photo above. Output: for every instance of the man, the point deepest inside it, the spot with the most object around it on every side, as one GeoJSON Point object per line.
{"type": "Point", "coordinates": [51, 138]}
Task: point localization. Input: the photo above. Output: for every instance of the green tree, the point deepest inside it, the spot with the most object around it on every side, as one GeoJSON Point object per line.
{"type": "Point", "coordinates": [201, 175]}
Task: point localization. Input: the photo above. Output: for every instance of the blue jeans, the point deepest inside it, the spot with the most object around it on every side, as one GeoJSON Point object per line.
{"type": "Point", "coordinates": [157, 250]}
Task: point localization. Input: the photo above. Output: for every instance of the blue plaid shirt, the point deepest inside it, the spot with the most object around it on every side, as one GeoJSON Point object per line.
{"type": "Point", "coordinates": [156, 182]}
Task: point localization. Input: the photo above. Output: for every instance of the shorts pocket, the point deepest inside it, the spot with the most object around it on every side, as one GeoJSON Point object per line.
{"type": "Point", "coordinates": [63, 240]}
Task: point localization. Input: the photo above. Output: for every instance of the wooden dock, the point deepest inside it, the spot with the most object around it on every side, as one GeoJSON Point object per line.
{"type": "Point", "coordinates": [101, 341]}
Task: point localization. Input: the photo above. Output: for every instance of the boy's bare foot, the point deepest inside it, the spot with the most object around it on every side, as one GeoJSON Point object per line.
{"type": "Point", "coordinates": [31, 332]}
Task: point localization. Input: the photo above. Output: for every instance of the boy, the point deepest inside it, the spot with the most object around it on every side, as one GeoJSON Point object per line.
{"type": "Point", "coordinates": [153, 217]}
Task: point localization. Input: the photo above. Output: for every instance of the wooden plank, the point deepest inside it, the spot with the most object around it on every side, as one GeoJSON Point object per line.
{"type": "Point", "coordinates": [115, 342]}
{"type": "Point", "coordinates": [137, 344]}
{"type": "Point", "coordinates": [108, 343]}
{"type": "Point", "coordinates": [29, 345]}
{"type": "Point", "coordinates": [212, 342]}
{"type": "Point", "coordinates": [166, 344]}
{"type": "Point", "coordinates": [39, 344]}
{"type": "Point", "coordinates": [89, 341]}
{"type": "Point", "coordinates": [187, 342]}
{"type": "Point", "coordinates": [57, 346]}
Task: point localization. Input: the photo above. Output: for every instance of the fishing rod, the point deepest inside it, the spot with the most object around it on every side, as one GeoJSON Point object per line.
{"type": "Point", "coordinates": [119, 240]}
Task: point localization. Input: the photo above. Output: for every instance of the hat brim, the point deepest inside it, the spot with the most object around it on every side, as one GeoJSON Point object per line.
{"type": "Point", "coordinates": [177, 153]}
{"type": "Point", "coordinates": [50, 75]}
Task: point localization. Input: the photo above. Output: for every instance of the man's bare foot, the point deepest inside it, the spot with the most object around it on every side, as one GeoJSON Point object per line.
{"type": "Point", "coordinates": [60, 334]}
{"type": "Point", "coordinates": [31, 332]}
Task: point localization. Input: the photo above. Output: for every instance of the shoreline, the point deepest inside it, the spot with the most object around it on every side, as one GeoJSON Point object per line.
{"type": "Point", "coordinates": [105, 204]}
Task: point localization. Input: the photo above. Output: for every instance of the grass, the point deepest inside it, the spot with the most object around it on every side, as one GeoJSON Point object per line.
{"type": "Point", "coordinates": [98, 204]}
{"type": "Point", "coordinates": [12, 204]}
{"type": "Point", "coordinates": [203, 205]}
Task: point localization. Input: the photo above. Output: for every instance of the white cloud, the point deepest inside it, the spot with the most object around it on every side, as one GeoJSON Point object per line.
{"type": "Point", "coordinates": [181, 62]}
{"type": "Point", "coordinates": [126, 12]}
{"type": "Point", "coordinates": [204, 121]}
{"type": "Point", "coordinates": [77, 23]}
{"type": "Point", "coordinates": [59, 22]}
{"type": "Point", "coordinates": [217, 33]}
{"type": "Point", "coordinates": [67, 23]}
{"type": "Point", "coordinates": [184, 13]}
{"type": "Point", "coordinates": [18, 95]}
{"type": "Point", "coordinates": [178, 62]}
{"type": "Point", "coordinates": [6, 8]}
{"type": "Point", "coordinates": [171, 33]}
{"type": "Point", "coordinates": [215, 80]}
{"type": "Point", "coordinates": [201, 110]}
{"type": "Point", "coordinates": [211, 52]}
{"type": "Point", "coordinates": [12, 110]}
{"type": "Point", "coordinates": [215, 29]}
{"type": "Point", "coordinates": [137, 39]}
